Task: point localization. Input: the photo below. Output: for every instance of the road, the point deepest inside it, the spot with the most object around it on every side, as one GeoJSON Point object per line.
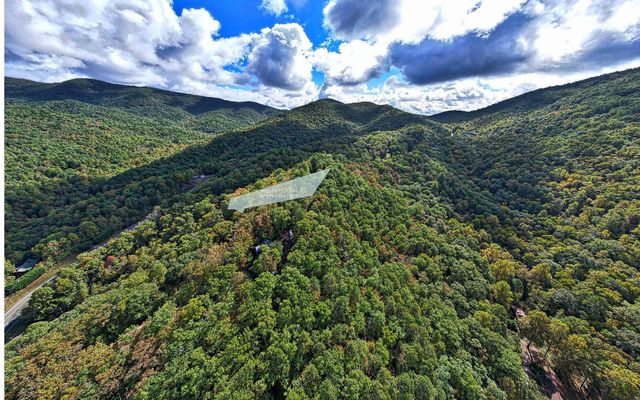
{"type": "Point", "coordinates": [12, 315]}
{"type": "Point", "coordinates": [16, 310]}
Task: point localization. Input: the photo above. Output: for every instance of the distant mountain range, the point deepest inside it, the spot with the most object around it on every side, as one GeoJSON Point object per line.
{"type": "Point", "coordinates": [145, 101]}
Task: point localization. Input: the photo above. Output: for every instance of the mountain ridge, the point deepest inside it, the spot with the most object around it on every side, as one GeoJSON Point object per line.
{"type": "Point", "coordinates": [445, 116]}
{"type": "Point", "coordinates": [19, 87]}
{"type": "Point", "coordinates": [436, 260]}
{"type": "Point", "coordinates": [454, 116]}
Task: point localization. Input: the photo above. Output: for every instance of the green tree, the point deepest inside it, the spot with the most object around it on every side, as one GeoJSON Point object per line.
{"type": "Point", "coordinates": [541, 274]}
{"type": "Point", "coordinates": [41, 305]}
{"type": "Point", "coordinates": [535, 328]}
{"type": "Point", "coordinates": [502, 293]}
{"type": "Point", "coordinates": [504, 270]}
{"type": "Point", "coordinates": [556, 332]}
{"type": "Point", "coordinates": [9, 272]}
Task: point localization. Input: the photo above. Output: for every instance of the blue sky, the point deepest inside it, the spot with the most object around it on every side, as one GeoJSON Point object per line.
{"type": "Point", "coordinates": [247, 16]}
{"type": "Point", "coordinates": [423, 56]}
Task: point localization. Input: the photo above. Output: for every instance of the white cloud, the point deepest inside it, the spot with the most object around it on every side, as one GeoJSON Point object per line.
{"type": "Point", "coordinates": [145, 42]}
{"type": "Point", "coordinates": [275, 7]}
{"type": "Point", "coordinates": [444, 40]}
{"type": "Point", "coordinates": [121, 41]}
{"type": "Point", "coordinates": [432, 99]}
{"type": "Point", "coordinates": [373, 25]}
{"type": "Point", "coordinates": [355, 62]}
{"type": "Point", "coordinates": [563, 29]}
{"type": "Point", "coordinates": [409, 21]}
{"type": "Point", "coordinates": [273, 97]}
{"type": "Point", "coordinates": [465, 94]}
{"type": "Point", "coordinates": [280, 57]}
{"type": "Point", "coordinates": [445, 19]}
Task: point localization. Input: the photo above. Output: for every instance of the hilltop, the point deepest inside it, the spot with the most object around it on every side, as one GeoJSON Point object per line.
{"type": "Point", "coordinates": [194, 111]}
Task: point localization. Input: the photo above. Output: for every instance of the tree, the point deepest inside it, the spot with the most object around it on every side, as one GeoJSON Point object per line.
{"type": "Point", "coordinates": [9, 271]}
{"type": "Point", "coordinates": [541, 274]}
{"type": "Point", "coordinates": [494, 253]}
{"type": "Point", "coordinates": [41, 304]}
{"type": "Point", "coordinates": [535, 329]}
{"type": "Point", "coordinates": [502, 293]}
{"type": "Point", "coordinates": [621, 383]}
{"type": "Point", "coordinates": [556, 332]}
{"type": "Point", "coordinates": [88, 230]}
{"type": "Point", "coordinates": [578, 356]}
{"type": "Point", "coordinates": [562, 300]}
{"type": "Point", "coordinates": [504, 270]}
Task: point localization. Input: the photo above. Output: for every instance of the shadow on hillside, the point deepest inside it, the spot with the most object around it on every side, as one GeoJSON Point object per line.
{"type": "Point", "coordinates": [233, 160]}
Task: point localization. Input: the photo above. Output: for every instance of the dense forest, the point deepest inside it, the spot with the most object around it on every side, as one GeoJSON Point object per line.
{"type": "Point", "coordinates": [459, 256]}
{"type": "Point", "coordinates": [67, 145]}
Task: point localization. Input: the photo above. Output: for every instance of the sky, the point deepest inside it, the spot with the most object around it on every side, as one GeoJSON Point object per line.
{"type": "Point", "coordinates": [422, 56]}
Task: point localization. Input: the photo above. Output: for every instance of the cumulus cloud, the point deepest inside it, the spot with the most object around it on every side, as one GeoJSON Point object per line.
{"type": "Point", "coordinates": [355, 62]}
{"type": "Point", "coordinates": [564, 31]}
{"type": "Point", "coordinates": [145, 42]}
{"type": "Point", "coordinates": [273, 97]}
{"type": "Point", "coordinates": [442, 41]}
{"type": "Point", "coordinates": [139, 42]}
{"type": "Point", "coordinates": [410, 21]}
{"type": "Point", "coordinates": [554, 35]}
{"type": "Point", "coordinates": [431, 99]}
{"type": "Point", "coordinates": [463, 94]}
{"type": "Point", "coordinates": [275, 7]}
{"type": "Point", "coordinates": [106, 38]}
{"type": "Point", "coordinates": [280, 57]}
{"type": "Point", "coordinates": [387, 23]}
{"type": "Point", "coordinates": [470, 55]}
{"type": "Point", "coordinates": [352, 19]}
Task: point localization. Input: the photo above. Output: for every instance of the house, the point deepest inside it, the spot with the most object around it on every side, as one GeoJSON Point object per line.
{"type": "Point", "coordinates": [27, 265]}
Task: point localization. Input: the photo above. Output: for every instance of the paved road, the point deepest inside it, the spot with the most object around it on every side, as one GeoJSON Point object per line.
{"type": "Point", "coordinates": [16, 310]}
{"type": "Point", "coordinates": [13, 313]}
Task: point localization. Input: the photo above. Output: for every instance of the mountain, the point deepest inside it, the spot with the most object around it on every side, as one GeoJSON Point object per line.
{"type": "Point", "coordinates": [436, 256]}
{"type": "Point", "coordinates": [73, 137]}
{"type": "Point", "coordinates": [619, 84]}
{"type": "Point", "coordinates": [202, 113]}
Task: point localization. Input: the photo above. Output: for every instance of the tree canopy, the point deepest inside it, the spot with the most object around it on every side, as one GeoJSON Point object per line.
{"type": "Point", "coordinates": [403, 276]}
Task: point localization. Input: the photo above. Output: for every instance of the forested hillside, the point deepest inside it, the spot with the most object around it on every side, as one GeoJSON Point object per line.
{"type": "Point", "coordinates": [565, 163]}
{"type": "Point", "coordinates": [202, 113]}
{"type": "Point", "coordinates": [66, 142]}
{"type": "Point", "coordinates": [404, 277]}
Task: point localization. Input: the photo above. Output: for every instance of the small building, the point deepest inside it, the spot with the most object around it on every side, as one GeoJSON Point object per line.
{"type": "Point", "coordinates": [27, 265]}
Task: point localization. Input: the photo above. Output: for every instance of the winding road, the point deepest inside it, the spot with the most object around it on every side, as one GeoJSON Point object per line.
{"type": "Point", "coordinates": [12, 315]}
{"type": "Point", "coordinates": [15, 310]}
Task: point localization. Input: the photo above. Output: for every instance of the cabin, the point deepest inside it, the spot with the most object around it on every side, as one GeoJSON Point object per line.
{"type": "Point", "coordinates": [27, 265]}
{"type": "Point", "coordinates": [286, 239]}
